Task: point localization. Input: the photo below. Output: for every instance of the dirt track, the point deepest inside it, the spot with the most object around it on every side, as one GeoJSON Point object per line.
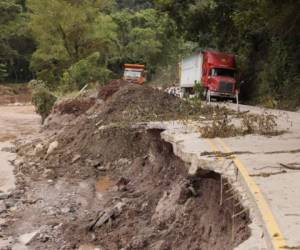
{"type": "Point", "coordinates": [15, 121]}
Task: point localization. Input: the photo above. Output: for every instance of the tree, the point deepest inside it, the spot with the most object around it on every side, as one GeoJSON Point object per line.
{"type": "Point", "coordinates": [16, 44]}
{"type": "Point", "coordinates": [147, 36]}
{"type": "Point", "coordinates": [68, 31]}
{"type": "Point", "coordinates": [135, 4]}
{"type": "Point", "coordinates": [3, 72]}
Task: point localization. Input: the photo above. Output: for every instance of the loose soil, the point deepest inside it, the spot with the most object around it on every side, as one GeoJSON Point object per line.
{"type": "Point", "coordinates": [108, 184]}
{"type": "Point", "coordinates": [148, 199]}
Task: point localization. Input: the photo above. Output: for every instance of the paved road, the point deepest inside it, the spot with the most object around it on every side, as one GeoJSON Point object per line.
{"type": "Point", "coordinates": [282, 190]}
{"type": "Point", "coordinates": [15, 121]}
{"type": "Point", "coordinates": [272, 190]}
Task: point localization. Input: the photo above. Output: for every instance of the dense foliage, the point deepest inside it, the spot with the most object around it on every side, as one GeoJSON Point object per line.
{"type": "Point", "coordinates": [16, 42]}
{"type": "Point", "coordinates": [68, 43]}
{"type": "Point", "coordinates": [42, 98]}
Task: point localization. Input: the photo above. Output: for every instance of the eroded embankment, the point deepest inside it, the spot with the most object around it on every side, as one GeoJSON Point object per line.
{"type": "Point", "coordinates": [94, 177]}
{"type": "Point", "coordinates": [100, 197]}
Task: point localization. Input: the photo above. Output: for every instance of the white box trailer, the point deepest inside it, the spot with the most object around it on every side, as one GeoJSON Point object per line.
{"type": "Point", "coordinates": [191, 70]}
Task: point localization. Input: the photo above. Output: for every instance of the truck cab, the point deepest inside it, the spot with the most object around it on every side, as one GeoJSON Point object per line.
{"type": "Point", "coordinates": [134, 73]}
{"type": "Point", "coordinates": [219, 75]}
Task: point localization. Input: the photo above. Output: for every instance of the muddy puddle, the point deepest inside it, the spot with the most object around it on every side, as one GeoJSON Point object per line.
{"type": "Point", "coordinates": [103, 184]}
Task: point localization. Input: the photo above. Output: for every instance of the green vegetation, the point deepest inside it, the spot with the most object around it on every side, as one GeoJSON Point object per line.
{"type": "Point", "coordinates": [3, 72]}
{"type": "Point", "coordinates": [16, 42]}
{"type": "Point", "coordinates": [42, 98]}
{"type": "Point", "coordinates": [69, 43]}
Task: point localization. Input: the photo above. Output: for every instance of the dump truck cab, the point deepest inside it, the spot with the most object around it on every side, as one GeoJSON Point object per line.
{"type": "Point", "coordinates": [134, 73]}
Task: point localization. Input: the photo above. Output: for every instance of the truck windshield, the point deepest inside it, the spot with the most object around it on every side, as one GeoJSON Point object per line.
{"type": "Point", "coordinates": [133, 74]}
{"type": "Point", "coordinates": [223, 72]}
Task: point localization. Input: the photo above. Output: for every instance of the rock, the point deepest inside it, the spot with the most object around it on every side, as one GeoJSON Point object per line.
{"type": "Point", "coordinates": [123, 161]}
{"type": "Point", "coordinates": [27, 238]}
{"type": "Point", "coordinates": [4, 196]}
{"type": "Point", "coordinates": [48, 173]}
{"type": "Point", "coordinates": [89, 247]}
{"type": "Point", "coordinates": [137, 243]}
{"type": "Point", "coordinates": [2, 207]}
{"type": "Point", "coordinates": [65, 210]}
{"type": "Point", "coordinates": [93, 163]}
{"type": "Point", "coordinates": [18, 162]}
{"type": "Point", "coordinates": [52, 147]}
{"type": "Point", "coordinates": [51, 211]}
{"type": "Point", "coordinates": [50, 182]}
{"type": "Point", "coordinates": [106, 215]}
{"type": "Point", "coordinates": [101, 168]}
{"type": "Point", "coordinates": [32, 163]}
{"type": "Point", "coordinates": [3, 222]}
{"type": "Point", "coordinates": [44, 238]}
{"type": "Point", "coordinates": [38, 148]}
{"type": "Point", "coordinates": [76, 158]}
{"type": "Point", "coordinates": [9, 203]}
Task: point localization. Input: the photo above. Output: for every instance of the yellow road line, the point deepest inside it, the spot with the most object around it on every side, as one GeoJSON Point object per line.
{"type": "Point", "coordinates": [273, 229]}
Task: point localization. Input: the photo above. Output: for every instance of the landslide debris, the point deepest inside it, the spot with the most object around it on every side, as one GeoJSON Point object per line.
{"type": "Point", "coordinates": [224, 125]}
{"type": "Point", "coordinates": [97, 181]}
{"type": "Point", "coordinates": [129, 192]}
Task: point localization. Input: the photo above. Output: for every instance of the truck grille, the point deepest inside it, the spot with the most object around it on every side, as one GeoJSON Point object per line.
{"type": "Point", "coordinates": [226, 87]}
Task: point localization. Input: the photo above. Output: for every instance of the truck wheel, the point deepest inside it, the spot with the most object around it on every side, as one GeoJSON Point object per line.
{"type": "Point", "coordinates": [182, 93]}
{"type": "Point", "coordinates": [204, 93]}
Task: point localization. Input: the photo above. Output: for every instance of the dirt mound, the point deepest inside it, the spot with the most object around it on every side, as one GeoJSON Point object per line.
{"type": "Point", "coordinates": [76, 106]}
{"type": "Point", "coordinates": [136, 103]}
{"type": "Point", "coordinates": [14, 94]}
{"type": "Point", "coordinates": [124, 190]}
{"type": "Point", "coordinates": [100, 181]}
{"type": "Point", "coordinates": [108, 90]}
{"type": "Point", "coordinates": [126, 102]}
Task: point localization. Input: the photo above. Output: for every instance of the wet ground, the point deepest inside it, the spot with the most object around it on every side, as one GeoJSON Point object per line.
{"type": "Point", "coordinates": [15, 121]}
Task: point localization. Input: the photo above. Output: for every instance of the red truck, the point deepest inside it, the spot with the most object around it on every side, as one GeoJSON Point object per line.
{"type": "Point", "coordinates": [134, 73]}
{"type": "Point", "coordinates": [216, 72]}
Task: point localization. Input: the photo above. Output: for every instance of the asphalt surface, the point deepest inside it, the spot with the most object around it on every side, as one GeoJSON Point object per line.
{"type": "Point", "coordinates": [271, 190]}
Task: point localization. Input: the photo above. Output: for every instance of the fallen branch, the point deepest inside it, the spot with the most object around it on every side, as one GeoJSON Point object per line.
{"type": "Point", "coordinates": [290, 167]}
{"type": "Point", "coordinates": [264, 174]}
